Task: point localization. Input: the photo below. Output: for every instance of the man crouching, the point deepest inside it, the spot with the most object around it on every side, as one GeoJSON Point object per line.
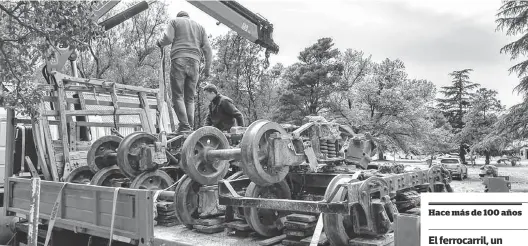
{"type": "Point", "coordinates": [222, 112]}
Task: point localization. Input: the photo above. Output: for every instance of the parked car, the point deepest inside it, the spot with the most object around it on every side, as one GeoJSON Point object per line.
{"type": "Point", "coordinates": [455, 167]}
{"type": "Point", "coordinates": [511, 159]}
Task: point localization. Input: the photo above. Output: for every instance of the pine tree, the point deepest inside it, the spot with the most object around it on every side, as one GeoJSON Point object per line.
{"type": "Point", "coordinates": [513, 17]}
{"type": "Point", "coordinates": [457, 98]}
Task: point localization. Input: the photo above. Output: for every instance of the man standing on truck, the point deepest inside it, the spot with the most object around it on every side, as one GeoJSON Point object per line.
{"type": "Point", "coordinates": [222, 112]}
{"type": "Point", "coordinates": [189, 42]}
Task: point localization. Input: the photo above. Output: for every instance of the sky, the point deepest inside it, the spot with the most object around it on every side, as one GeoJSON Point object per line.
{"type": "Point", "coordinates": [432, 37]}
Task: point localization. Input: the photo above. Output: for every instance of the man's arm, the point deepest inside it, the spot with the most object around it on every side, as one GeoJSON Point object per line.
{"type": "Point", "coordinates": [168, 36]}
{"type": "Point", "coordinates": [207, 51]}
{"type": "Point", "coordinates": [230, 109]}
{"type": "Point", "coordinates": [208, 121]}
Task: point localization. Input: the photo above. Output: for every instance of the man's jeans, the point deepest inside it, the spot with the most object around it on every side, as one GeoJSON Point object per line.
{"type": "Point", "coordinates": [184, 76]}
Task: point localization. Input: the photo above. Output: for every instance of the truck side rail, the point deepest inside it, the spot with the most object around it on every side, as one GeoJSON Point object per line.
{"type": "Point", "coordinates": [88, 209]}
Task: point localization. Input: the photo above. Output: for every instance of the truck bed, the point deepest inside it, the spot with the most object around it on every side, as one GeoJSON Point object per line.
{"type": "Point", "coordinates": [182, 234]}
{"type": "Point", "coordinates": [87, 209]}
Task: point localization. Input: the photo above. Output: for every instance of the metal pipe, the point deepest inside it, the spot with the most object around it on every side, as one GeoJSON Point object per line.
{"type": "Point", "coordinates": [223, 154]}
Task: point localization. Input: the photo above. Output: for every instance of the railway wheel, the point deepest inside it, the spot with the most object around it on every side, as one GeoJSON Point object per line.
{"type": "Point", "coordinates": [129, 152]}
{"type": "Point", "coordinates": [186, 201]}
{"type": "Point", "coordinates": [110, 176]}
{"type": "Point", "coordinates": [153, 180]}
{"type": "Point", "coordinates": [81, 175]}
{"type": "Point", "coordinates": [194, 160]}
{"type": "Point", "coordinates": [263, 220]}
{"type": "Point", "coordinates": [256, 151]}
{"type": "Point", "coordinates": [338, 227]}
{"type": "Point", "coordinates": [103, 153]}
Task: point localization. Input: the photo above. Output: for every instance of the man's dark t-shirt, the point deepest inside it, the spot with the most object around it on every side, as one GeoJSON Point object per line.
{"type": "Point", "coordinates": [223, 113]}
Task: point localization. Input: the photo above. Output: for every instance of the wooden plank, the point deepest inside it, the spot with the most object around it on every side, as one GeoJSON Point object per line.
{"type": "Point", "coordinates": [146, 109]}
{"type": "Point", "coordinates": [301, 218]}
{"type": "Point", "coordinates": [101, 102]}
{"type": "Point", "coordinates": [272, 241]}
{"type": "Point", "coordinates": [51, 151]}
{"type": "Point", "coordinates": [72, 136]}
{"type": "Point", "coordinates": [148, 125]}
{"type": "Point", "coordinates": [116, 107]}
{"type": "Point", "coordinates": [93, 112]}
{"type": "Point", "coordinates": [32, 167]}
{"type": "Point", "coordinates": [63, 113]}
{"type": "Point", "coordinates": [107, 84]}
{"type": "Point", "coordinates": [385, 240]}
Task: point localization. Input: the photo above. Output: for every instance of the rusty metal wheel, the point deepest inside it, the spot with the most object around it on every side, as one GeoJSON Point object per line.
{"type": "Point", "coordinates": [338, 227]}
{"type": "Point", "coordinates": [256, 148]}
{"type": "Point", "coordinates": [263, 220]}
{"type": "Point", "coordinates": [110, 176]}
{"type": "Point", "coordinates": [194, 162]}
{"type": "Point", "coordinates": [129, 152]}
{"type": "Point", "coordinates": [186, 201]}
{"type": "Point", "coordinates": [103, 153]}
{"type": "Point", "coordinates": [152, 180]}
{"type": "Point", "coordinates": [81, 175]}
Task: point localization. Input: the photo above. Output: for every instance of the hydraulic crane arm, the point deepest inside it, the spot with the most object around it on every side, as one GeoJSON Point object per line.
{"type": "Point", "coordinates": [249, 25]}
{"type": "Point", "coordinates": [241, 20]}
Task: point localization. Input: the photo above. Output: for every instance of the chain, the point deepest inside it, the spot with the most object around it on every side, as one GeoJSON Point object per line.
{"type": "Point", "coordinates": [114, 130]}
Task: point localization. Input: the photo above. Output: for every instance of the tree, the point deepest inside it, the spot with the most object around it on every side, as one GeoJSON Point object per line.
{"type": "Point", "coordinates": [310, 82]}
{"type": "Point", "coordinates": [512, 17]}
{"type": "Point", "coordinates": [393, 108]}
{"type": "Point", "coordinates": [356, 68]}
{"type": "Point", "coordinates": [238, 70]}
{"type": "Point", "coordinates": [456, 99]}
{"type": "Point", "coordinates": [29, 30]}
{"type": "Point", "coordinates": [479, 120]}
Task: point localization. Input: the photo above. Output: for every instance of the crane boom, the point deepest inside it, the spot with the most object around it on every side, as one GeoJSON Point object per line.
{"type": "Point", "coordinates": [247, 24]}
{"type": "Point", "coordinates": [241, 20]}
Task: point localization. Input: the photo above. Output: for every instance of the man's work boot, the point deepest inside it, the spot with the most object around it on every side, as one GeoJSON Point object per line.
{"type": "Point", "coordinates": [183, 129]}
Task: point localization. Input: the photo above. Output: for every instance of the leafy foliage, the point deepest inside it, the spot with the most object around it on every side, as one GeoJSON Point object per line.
{"type": "Point", "coordinates": [479, 121]}
{"type": "Point", "coordinates": [310, 81]}
{"type": "Point", "coordinates": [512, 17]}
{"type": "Point", "coordinates": [29, 30]}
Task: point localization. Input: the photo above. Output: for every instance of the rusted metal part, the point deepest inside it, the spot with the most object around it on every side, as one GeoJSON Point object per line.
{"type": "Point", "coordinates": [222, 154]}
{"type": "Point", "coordinates": [80, 175]}
{"type": "Point", "coordinates": [132, 157]}
{"type": "Point", "coordinates": [257, 150]}
{"type": "Point", "coordinates": [205, 168]}
{"type": "Point", "coordinates": [103, 152]}
{"type": "Point", "coordinates": [366, 198]}
{"type": "Point", "coordinates": [111, 177]}
{"type": "Point", "coordinates": [263, 220]}
{"type": "Point", "coordinates": [153, 180]}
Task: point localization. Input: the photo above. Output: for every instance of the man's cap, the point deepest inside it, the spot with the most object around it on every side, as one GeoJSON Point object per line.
{"type": "Point", "coordinates": [182, 14]}
{"type": "Point", "coordinates": [210, 88]}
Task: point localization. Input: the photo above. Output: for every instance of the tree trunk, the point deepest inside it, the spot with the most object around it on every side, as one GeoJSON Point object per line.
{"type": "Point", "coordinates": [462, 154]}
{"type": "Point", "coordinates": [487, 157]}
{"type": "Point", "coordinates": [380, 154]}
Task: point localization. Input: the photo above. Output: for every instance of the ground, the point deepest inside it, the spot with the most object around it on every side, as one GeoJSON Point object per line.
{"type": "Point", "coordinates": [518, 176]}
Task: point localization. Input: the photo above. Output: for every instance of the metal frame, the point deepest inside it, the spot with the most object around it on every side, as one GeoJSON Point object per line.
{"type": "Point", "coordinates": [229, 197]}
